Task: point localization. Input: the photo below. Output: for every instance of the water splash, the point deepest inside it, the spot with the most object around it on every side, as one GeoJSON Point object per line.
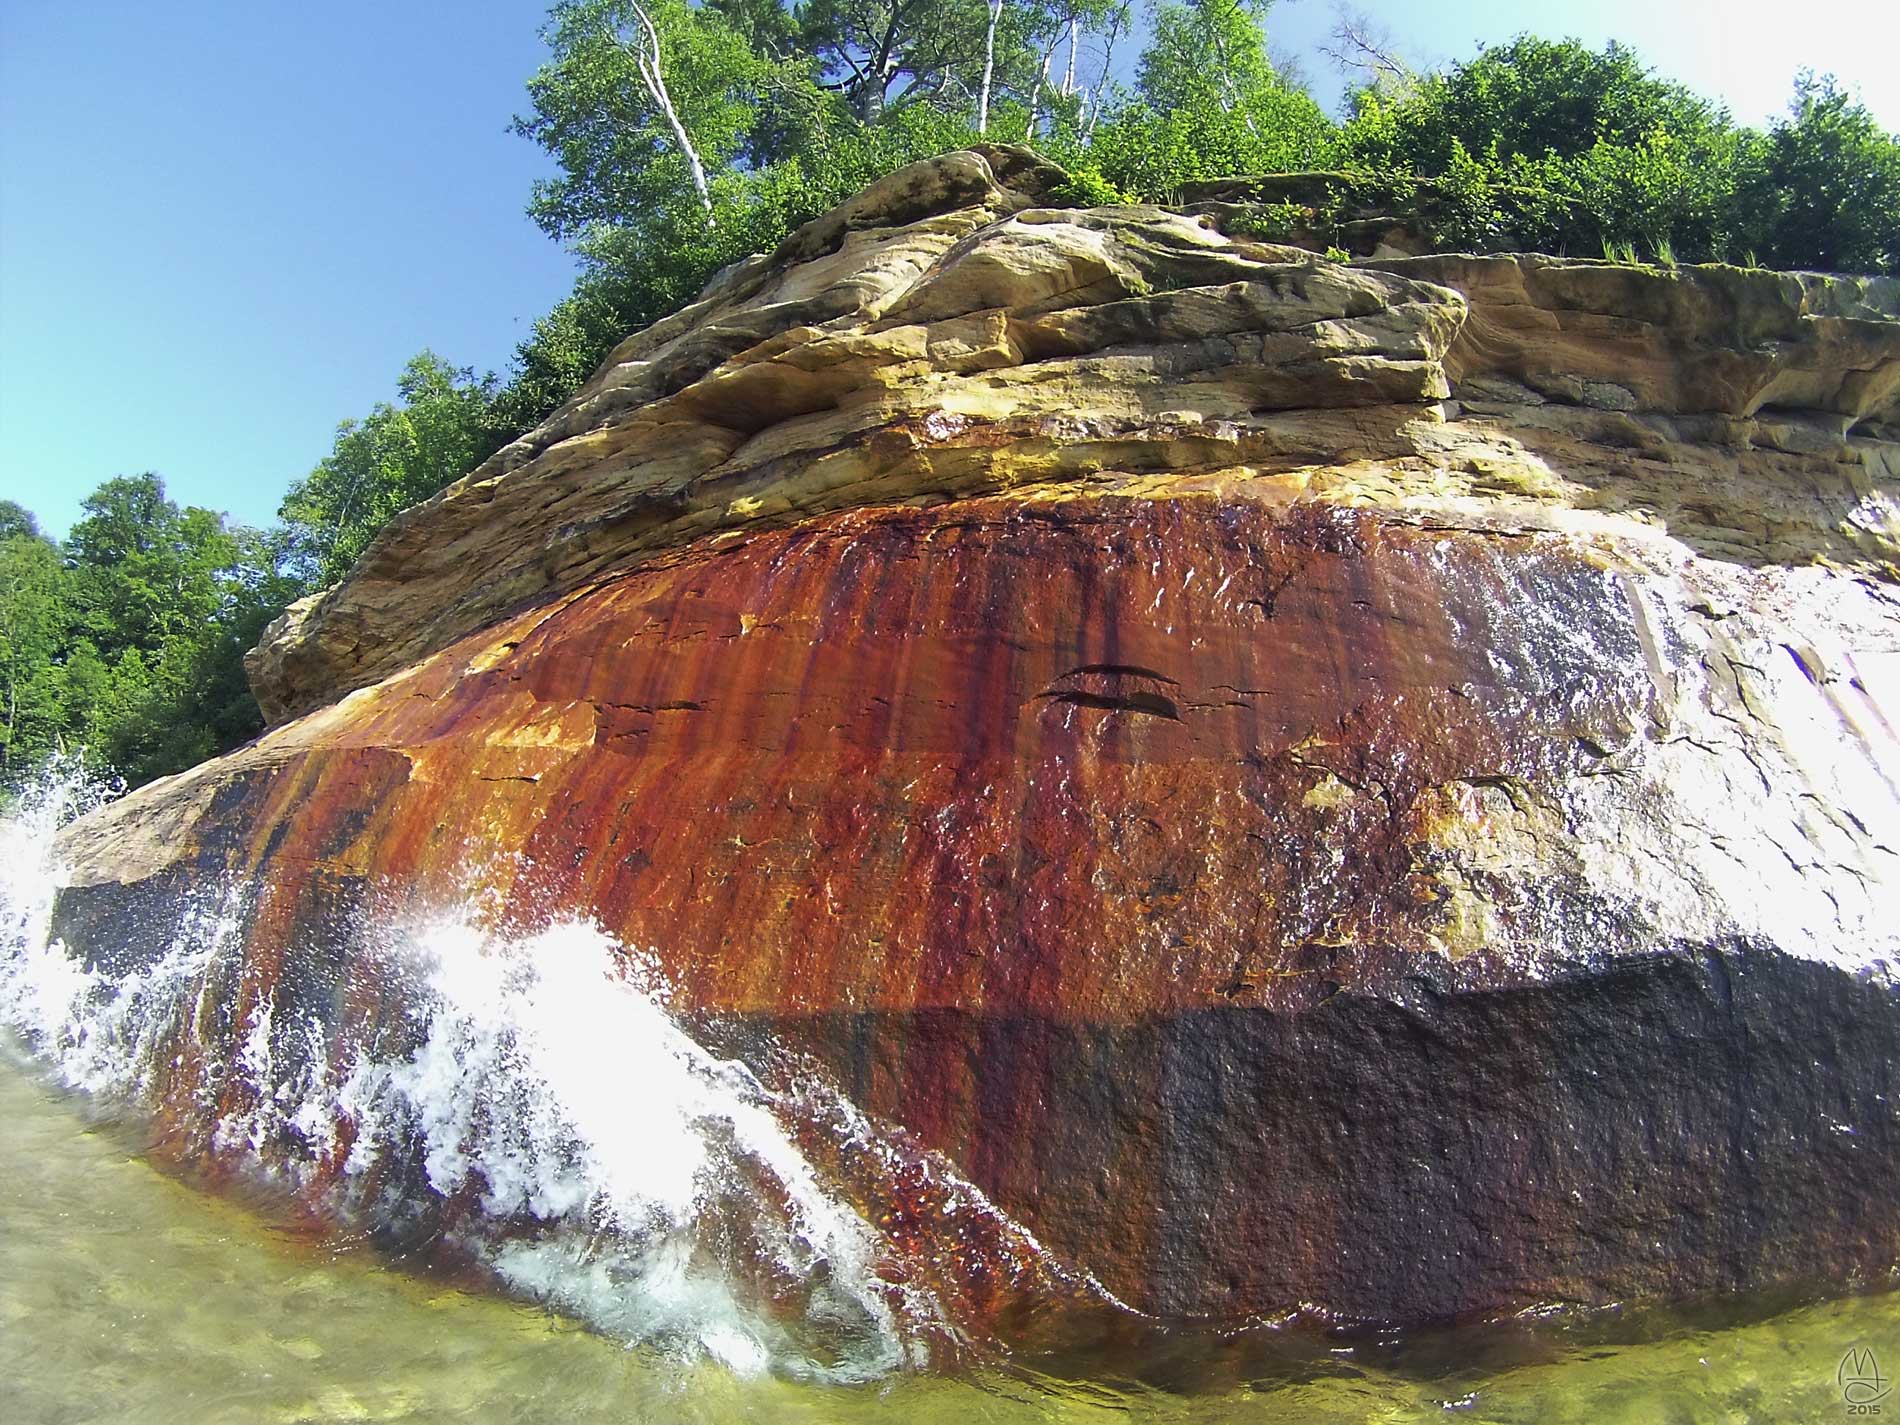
{"type": "Point", "coordinates": [563, 1127]}
{"type": "Point", "coordinates": [64, 791]}
{"type": "Point", "coordinates": [553, 1082]}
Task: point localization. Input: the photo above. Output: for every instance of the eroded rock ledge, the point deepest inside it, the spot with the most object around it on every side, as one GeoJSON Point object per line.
{"type": "Point", "coordinates": [1368, 785]}
{"type": "Point", "coordinates": [944, 336]}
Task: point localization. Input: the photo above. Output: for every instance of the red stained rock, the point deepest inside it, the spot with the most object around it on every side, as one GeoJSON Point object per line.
{"type": "Point", "coordinates": [1392, 881]}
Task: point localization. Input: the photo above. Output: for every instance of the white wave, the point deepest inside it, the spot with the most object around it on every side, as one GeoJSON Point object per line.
{"type": "Point", "coordinates": [28, 876]}
{"type": "Point", "coordinates": [552, 1079]}
{"type": "Point", "coordinates": [624, 1173]}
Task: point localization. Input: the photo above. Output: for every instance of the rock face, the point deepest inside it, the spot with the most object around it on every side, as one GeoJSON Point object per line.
{"type": "Point", "coordinates": [1372, 786]}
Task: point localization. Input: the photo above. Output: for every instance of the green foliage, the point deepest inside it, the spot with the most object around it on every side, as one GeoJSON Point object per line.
{"type": "Point", "coordinates": [129, 639]}
{"type": "Point", "coordinates": [33, 618]}
{"type": "Point", "coordinates": [1530, 97]}
{"type": "Point", "coordinates": [886, 54]}
{"type": "Point", "coordinates": [1087, 188]}
{"type": "Point", "coordinates": [591, 112]}
{"type": "Point", "coordinates": [16, 519]}
{"type": "Point", "coordinates": [1205, 53]}
{"type": "Point", "coordinates": [1153, 154]}
{"type": "Point", "coordinates": [394, 457]}
{"type": "Point", "coordinates": [1274, 222]}
{"type": "Point", "coordinates": [143, 571]}
{"type": "Point", "coordinates": [1548, 145]}
{"type": "Point", "coordinates": [1826, 191]}
{"type": "Point", "coordinates": [1208, 104]}
{"type": "Point", "coordinates": [564, 347]}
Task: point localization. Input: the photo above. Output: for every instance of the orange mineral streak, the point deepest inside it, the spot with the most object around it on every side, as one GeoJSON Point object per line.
{"type": "Point", "coordinates": [1053, 759]}
{"type": "Point", "coordinates": [940, 797]}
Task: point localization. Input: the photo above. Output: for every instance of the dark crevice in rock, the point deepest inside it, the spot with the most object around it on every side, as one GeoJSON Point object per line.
{"type": "Point", "coordinates": [1149, 704]}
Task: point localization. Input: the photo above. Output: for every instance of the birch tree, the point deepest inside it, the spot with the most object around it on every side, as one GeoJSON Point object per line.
{"type": "Point", "coordinates": [989, 68]}
{"type": "Point", "coordinates": [1364, 51]}
{"type": "Point", "coordinates": [1035, 95]}
{"type": "Point", "coordinates": [887, 54]}
{"type": "Point", "coordinates": [1206, 51]}
{"type": "Point", "coordinates": [644, 104]}
{"type": "Point", "coordinates": [1060, 26]}
{"type": "Point", "coordinates": [31, 619]}
{"type": "Point", "coordinates": [651, 64]}
{"type": "Point", "coordinates": [1092, 114]}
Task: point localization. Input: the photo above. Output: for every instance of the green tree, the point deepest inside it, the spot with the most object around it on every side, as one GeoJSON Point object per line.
{"type": "Point", "coordinates": [1205, 52]}
{"type": "Point", "coordinates": [16, 518]}
{"type": "Point", "coordinates": [755, 84]}
{"type": "Point", "coordinates": [33, 619]}
{"type": "Point", "coordinates": [1060, 104]}
{"type": "Point", "coordinates": [395, 457]}
{"type": "Point", "coordinates": [779, 137]}
{"type": "Point", "coordinates": [211, 705]}
{"type": "Point", "coordinates": [1207, 104]}
{"type": "Point", "coordinates": [129, 639]}
{"type": "Point", "coordinates": [1531, 97]}
{"type": "Point", "coordinates": [143, 570]}
{"type": "Point", "coordinates": [1826, 193]}
{"type": "Point", "coordinates": [1550, 145]}
{"type": "Point", "coordinates": [595, 112]}
{"type": "Point", "coordinates": [885, 54]}
{"type": "Point", "coordinates": [790, 108]}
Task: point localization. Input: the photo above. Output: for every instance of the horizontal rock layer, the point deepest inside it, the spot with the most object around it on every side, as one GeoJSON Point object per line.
{"type": "Point", "coordinates": [1372, 786]}
{"type": "Point", "coordinates": [941, 336]}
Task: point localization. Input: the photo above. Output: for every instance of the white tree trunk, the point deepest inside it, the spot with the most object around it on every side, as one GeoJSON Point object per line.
{"type": "Point", "coordinates": [1101, 82]}
{"type": "Point", "coordinates": [989, 69]}
{"type": "Point", "coordinates": [648, 63]}
{"type": "Point", "coordinates": [1035, 96]}
{"type": "Point", "coordinates": [1075, 35]}
{"type": "Point", "coordinates": [1229, 94]}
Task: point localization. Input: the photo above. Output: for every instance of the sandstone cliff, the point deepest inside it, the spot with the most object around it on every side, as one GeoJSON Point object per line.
{"type": "Point", "coordinates": [1365, 785]}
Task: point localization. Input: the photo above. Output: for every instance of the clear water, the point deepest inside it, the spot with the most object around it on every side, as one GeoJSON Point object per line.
{"type": "Point", "coordinates": [125, 1295]}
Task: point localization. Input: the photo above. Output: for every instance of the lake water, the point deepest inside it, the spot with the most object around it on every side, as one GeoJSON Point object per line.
{"type": "Point", "coordinates": [127, 1296]}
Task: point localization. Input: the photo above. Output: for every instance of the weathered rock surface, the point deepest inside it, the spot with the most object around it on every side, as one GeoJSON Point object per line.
{"type": "Point", "coordinates": [1372, 786]}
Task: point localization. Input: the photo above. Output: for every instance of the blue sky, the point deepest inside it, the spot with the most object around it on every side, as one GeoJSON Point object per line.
{"type": "Point", "coordinates": [1742, 52]}
{"type": "Point", "coordinates": [224, 227]}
